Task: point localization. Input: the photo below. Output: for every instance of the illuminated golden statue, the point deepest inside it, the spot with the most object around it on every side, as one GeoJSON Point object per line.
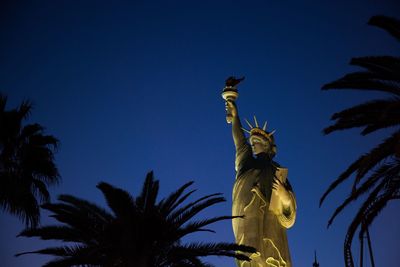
{"type": "Point", "coordinates": [261, 192]}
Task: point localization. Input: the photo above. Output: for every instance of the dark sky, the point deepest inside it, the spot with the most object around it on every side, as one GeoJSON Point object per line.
{"type": "Point", "coordinates": [134, 86]}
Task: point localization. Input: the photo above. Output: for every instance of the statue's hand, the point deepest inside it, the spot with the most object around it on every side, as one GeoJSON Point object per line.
{"type": "Point", "coordinates": [281, 191]}
{"type": "Point", "coordinates": [231, 107]}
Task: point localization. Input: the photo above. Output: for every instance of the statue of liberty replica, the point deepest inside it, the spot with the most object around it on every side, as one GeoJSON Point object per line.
{"type": "Point", "coordinates": [262, 192]}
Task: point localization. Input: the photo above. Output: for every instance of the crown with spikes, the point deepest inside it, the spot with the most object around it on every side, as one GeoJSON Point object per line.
{"type": "Point", "coordinates": [259, 131]}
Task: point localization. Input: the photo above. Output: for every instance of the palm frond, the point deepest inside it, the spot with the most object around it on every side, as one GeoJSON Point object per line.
{"type": "Point", "coordinates": [23, 205]}
{"type": "Point", "coordinates": [377, 154]}
{"type": "Point", "coordinates": [219, 249]}
{"type": "Point", "coordinates": [366, 162]}
{"type": "Point", "coordinates": [182, 209]}
{"type": "Point", "coordinates": [393, 168]}
{"type": "Point", "coordinates": [364, 85]}
{"type": "Point", "coordinates": [180, 200]}
{"type": "Point", "coordinates": [69, 262]}
{"type": "Point", "coordinates": [368, 76]}
{"type": "Point", "coordinates": [149, 193]}
{"type": "Point", "coordinates": [185, 262]}
{"type": "Point", "coordinates": [381, 173]}
{"type": "Point", "coordinates": [29, 130]}
{"type": "Point", "coordinates": [39, 190]}
{"type": "Point", "coordinates": [373, 115]}
{"type": "Point", "coordinates": [173, 200]}
{"type": "Point", "coordinates": [383, 75]}
{"type": "Point", "coordinates": [47, 141]}
{"type": "Point", "coordinates": [184, 214]}
{"type": "Point", "coordinates": [391, 25]}
{"type": "Point", "coordinates": [89, 224]}
{"type": "Point", "coordinates": [386, 66]}
{"type": "Point", "coordinates": [24, 109]}
{"type": "Point", "coordinates": [388, 122]}
{"type": "Point", "coordinates": [58, 251]}
{"type": "Point", "coordinates": [55, 232]}
{"type": "Point", "coordinates": [120, 201]}
{"type": "Point", "coordinates": [197, 225]}
{"type": "Point", "coordinates": [87, 207]}
{"type": "Point", "coordinates": [68, 256]}
{"type": "Point", "coordinates": [152, 193]}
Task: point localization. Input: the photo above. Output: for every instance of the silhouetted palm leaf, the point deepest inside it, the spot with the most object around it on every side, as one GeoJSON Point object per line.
{"type": "Point", "coordinates": [69, 256]}
{"type": "Point", "coordinates": [366, 163]}
{"type": "Point", "coordinates": [391, 169]}
{"type": "Point", "coordinates": [391, 25]}
{"type": "Point", "coordinates": [120, 201]}
{"type": "Point", "coordinates": [201, 250]}
{"type": "Point", "coordinates": [383, 74]}
{"type": "Point", "coordinates": [197, 226]}
{"type": "Point", "coordinates": [373, 115]}
{"type": "Point", "coordinates": [27, 165]}
{"type": "Point", "coordinates": [140, 232]}
{"type": "Point", "coordinates": [382, 163]}
{"type": "Point", "coordinates": [175, 199]}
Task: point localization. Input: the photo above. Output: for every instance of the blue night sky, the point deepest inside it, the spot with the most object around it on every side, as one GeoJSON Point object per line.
{"type": "Point", "coordinates": [129, 87]}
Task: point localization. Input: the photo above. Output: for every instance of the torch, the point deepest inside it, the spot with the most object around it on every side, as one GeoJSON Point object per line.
{"type": "Point", "coordinates": [230, 93]}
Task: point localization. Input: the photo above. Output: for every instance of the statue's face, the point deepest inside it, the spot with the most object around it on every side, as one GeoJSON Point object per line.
{"type": "Point", "coordinates": [259, 145]}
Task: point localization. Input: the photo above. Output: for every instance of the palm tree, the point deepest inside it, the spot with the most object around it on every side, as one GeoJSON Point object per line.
{"type": "Point", "coordinates": [139, 232]}
{"type": "Point", "coordinates": [376, 173]}
{"type": "Point", "coordinates": [27, 165]}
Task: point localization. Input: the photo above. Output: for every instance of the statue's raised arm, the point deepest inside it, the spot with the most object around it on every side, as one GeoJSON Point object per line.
{"type": "Point", "coordinates": [243, 150]}
{"type": "Point", "coordinates": [230, 94]}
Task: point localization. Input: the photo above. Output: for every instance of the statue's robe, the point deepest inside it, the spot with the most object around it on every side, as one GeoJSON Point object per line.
{"type": "Point", "coordinates": [265, 217]}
